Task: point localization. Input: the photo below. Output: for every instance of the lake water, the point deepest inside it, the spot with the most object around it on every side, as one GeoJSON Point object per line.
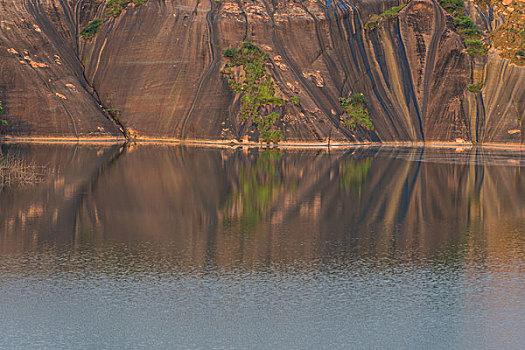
{"type": "Point", "coordinates": [172, 247]}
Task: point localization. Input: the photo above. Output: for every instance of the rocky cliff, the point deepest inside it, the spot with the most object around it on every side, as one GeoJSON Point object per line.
{"type": "Point", "coordinates": [155, 69]}
{"type": "Point", "coordinates": [42, 84]}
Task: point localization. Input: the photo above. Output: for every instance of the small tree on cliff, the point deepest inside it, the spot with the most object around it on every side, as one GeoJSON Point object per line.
{"type": "Point", "coordinates": [2, 112]}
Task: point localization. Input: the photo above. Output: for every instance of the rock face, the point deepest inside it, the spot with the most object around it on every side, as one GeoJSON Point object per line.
{"type": "Point", "coordinates": [160, 65]}
{"type": "Point", "coordinates": [42, 85]}
{"type": "Point", "coordinates": [497, 112]}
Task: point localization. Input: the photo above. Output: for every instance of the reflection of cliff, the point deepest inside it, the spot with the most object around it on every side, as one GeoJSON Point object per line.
{"type": "Point", "coordinates": [230, 206]}
{"type": "Point", "coordinates": [45, 212]}
{"type": "Point", "coordinates": [159, 64]}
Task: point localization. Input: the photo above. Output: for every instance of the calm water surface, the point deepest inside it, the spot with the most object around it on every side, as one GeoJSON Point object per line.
{"type": "Point", "coordinates": [194, 248]}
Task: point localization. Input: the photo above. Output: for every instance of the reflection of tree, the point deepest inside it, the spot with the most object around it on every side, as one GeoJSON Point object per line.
{"type": "Point", "coordinates": [258, 186]}
{"type": "Point", "coordinates": [353, 173]}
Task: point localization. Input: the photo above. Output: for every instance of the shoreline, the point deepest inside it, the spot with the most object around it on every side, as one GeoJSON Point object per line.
{"type": "Point", "coordinates": [236, 143]}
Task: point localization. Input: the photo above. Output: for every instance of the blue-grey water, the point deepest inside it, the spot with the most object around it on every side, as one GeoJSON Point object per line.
{"type": "Point", "coordinates": [172, 247]}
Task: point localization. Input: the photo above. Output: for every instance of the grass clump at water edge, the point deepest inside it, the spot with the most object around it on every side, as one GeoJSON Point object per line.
{"type": "Point", "coordinates": [18, 172]}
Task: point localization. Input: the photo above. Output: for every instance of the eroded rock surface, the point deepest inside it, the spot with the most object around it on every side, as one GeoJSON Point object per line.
{"type": "Point", "coordinates": [159, 65]}
{"type": "Point", "coordinates": [42, 85]}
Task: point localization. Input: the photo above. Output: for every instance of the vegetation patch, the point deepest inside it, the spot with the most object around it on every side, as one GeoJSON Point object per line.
{"type": "Point", "coordinates": [115, 7]}
{"type": "Point", "coordinates": [476, 87]}
{"type": "Point", "coordinates": [2, 112]}
{"type": "Point", "coordinates": [91, 29]}
{"type": "Point", "coordinates": [476, 47]}
{"type": "Point", "coordinates": [114, 114]}
{"type": "Point", "coordinates": [509, 38]}
{"type": "Point", "coordinates": [355, 112]}
{"type": "Point", "coordinates": [466, 28]}
{"type": "Point", "coordinates": [376, 20]}
{"type": "Point", "coordinates": [455, 7]}
{"type": "Point", "coordinates": [257, 88]}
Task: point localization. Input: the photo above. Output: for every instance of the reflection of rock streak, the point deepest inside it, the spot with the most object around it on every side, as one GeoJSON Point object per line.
{"type": "Point", "coordinates": [222, 206]}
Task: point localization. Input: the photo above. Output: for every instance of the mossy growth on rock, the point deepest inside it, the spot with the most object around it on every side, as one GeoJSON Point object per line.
{"type": "Point", "coordinates": [476, 47]}
{"type": "Point", "coordinates": [115, 7]}
{"type": "Point", "coordinates": [91, 29]}
{"type": "Point", "coordinates": [476, 87]}
{"type": "Point", "coordinates": [376, 20]}
{"type": "Point", "coordinates": [509, 38]}
{"type": "Point", "coordinates": [355, 112]}
{"type": "Point", "coordinates": [2, 112]}
{"type": "Point", "coordinates": [455, 7]}
{"type": "Point", "coordinates": [466, 27]}
{"type": "Point", "coordinates": [257, 88]}
{"type": "Point", "coordinates": [393, 12]}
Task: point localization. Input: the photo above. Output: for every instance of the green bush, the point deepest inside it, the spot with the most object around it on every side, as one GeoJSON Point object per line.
{"type": "Point", "coordinates": [2, 112]}
{"type": "Point", "coordinates": [375, 20]}
{"type": "Point", "coordinates": [464, 22]}
{"type": "Point", "coordinates": [470, 33]}
{"type": "Point", "coordinates": [476, 48]}
{"type": "Point", "coordinates": [91, 29]}
{"type": "Point", "coordinates": [466, 27]}
{"type": "Point", "coordinates": [355, 112]}
{"type": "Point", "coordinates": [115, 7]}
{"type": "Point", "coordinates": [257, 89]}
{"type": "Point", "coordinates": [230, 53]}
{"type": "Point", "coordinates": [394, 11]}
{"type": "Point", "coordinates": [476, 87]}
{"type": "Point", "coordinates": [268, 130]}
{"type": "Point", "coordinates": [295, 100]}
{"type": "Point", "coordinates": [455, 7]}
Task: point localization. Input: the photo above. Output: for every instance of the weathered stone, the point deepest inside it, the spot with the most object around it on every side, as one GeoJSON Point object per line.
{"type": "Point", "coordinates": [160, 65]}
